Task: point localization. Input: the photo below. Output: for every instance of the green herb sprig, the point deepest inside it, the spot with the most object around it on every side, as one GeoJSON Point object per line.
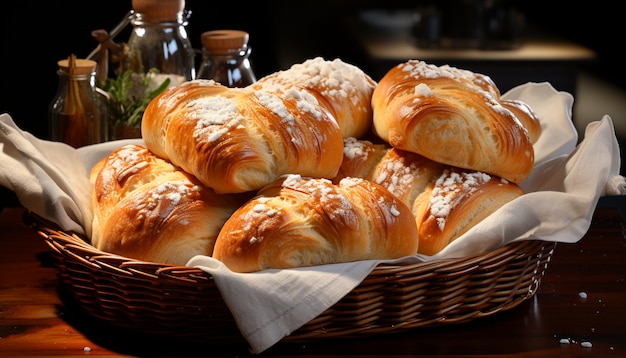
{"type": "Point", "coordinates": [129, 95]}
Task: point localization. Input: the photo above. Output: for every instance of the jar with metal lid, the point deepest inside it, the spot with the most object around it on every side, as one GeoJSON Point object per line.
{"type": "Point", "coordinates": [225, 58]}
{"type": "Point", "coordinates": [77, 114]}
{"type": "Point", "coordinates": [159, 40]}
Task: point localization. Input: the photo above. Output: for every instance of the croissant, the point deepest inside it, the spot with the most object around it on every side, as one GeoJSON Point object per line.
{"type": "Point", "coordinates": [238, 140]}
{"type": "Point", "coordinates": [445, 201]}
{"type": "Point", "coordinates": [146, 208]}
{"type": "Point", "coordinates": [344, 89]}
{"type": "Point", "coordinates": [299, 221]}
{"type": "Point", "coordinates": [451, 116]}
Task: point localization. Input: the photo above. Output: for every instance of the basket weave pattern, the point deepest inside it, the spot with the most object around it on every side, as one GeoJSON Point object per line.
{"type": "Point", "coordinates": [184, 302]}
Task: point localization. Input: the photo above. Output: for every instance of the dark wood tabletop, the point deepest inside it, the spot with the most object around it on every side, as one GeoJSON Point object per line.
{"type": "Point", "coordinates": [579, 310]}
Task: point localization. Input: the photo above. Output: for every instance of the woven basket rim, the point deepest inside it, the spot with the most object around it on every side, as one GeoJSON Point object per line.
{"type": "Point", "coordinates": [499, 280]}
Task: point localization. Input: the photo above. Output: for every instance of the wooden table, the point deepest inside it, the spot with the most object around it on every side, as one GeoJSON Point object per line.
{"type": "Point", "coordinates": [580, 309]}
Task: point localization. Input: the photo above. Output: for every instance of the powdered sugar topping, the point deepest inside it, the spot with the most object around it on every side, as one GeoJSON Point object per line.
{"type": "Point", "coordinates": [125, 162]}
{"type": "Point", "coordinates": [213, 116]}
{"type": "Point", "coordinates": [447, 186]}
{"type": "Point", "coordinates": [354, 148]}
{"type": "Point", "coordinates": [169, 193]}
{"type": "Point", "coordinates": [129, 159]}
{"type": "Point", "coordinates": [339, 80]}
{"type": "Point", "coordinates": [397, 175]}
{"type": "Point", "coordinates": [389, 205]}
{"type": "Point", "coordinates": [305, 102]}
{"type": "Point", "coordinates": [475, 82]}
{"type": "Point", "coordinates": [422, 90]}
{"type": "Point", "coordinates": [324, 192]}
{"type": "Point", "coordinates": [276, 105]}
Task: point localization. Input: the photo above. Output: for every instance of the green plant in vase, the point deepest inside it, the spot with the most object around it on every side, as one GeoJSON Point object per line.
{"type": "Point", "coordinates": [128, 96]}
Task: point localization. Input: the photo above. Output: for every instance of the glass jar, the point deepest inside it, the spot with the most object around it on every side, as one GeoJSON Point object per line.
{"type": "Point", "coordinates": [78, 112]}
{"type": "Point", "coordinates": [159, 40]}
{"type": "Point", "coordinates": [225, 58]}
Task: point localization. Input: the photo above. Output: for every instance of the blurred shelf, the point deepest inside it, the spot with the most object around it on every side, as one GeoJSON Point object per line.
{"type": "Point", "coordinates": [536, 57]}
{"type": "Point", "coordinates": [399, 47]}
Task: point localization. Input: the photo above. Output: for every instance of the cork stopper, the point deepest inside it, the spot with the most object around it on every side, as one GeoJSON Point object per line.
{"type": "Point", "coordinates": [224, 41]}
{"type": "Point", "coordinates": [158, 10]}
{"type": "Point", "coordinates": [81, 66]}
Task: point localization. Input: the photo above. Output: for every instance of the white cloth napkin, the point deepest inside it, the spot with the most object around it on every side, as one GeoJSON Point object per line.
{"type": "Point", "coordinates": [47, 177]}
{"type": "Point", "coordinates": [51, 179]}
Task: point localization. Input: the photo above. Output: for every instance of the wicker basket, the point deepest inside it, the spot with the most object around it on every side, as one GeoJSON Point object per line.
{"type": "Point", "coordinates": [184, 302]}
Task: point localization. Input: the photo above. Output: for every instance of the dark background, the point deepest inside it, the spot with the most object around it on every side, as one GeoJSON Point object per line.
{"type": "Point", "coordinates": [281, 33]}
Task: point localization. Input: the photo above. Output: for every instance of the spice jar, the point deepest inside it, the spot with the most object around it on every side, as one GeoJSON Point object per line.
{"type": "Point", "coordinates": [77, 114]}
{"type": "Point", "coordinates": [225, 58]}
{"type": "Point", "coordinates": [159, 40]}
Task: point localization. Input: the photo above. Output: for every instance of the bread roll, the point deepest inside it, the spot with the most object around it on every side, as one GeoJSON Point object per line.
{"type": "Point", "coordinates": [404, 174]}
{"type": "Point", "coordinates": [456, 202]}
{"type": "Point", "coordinates": [360, 158]}
{"type": "Point", "coordinates": [451, 116]}
{"type": "Point", "coordinates": [238, 140]}
{"type": "Point", "coordinates": [445, 201]}
{"type": "Point", "coordinates": [344, 89]}
{"type": "Point", "coordinates": [147, 209]}
{"type": "Point", "coordinates": [299, 221]}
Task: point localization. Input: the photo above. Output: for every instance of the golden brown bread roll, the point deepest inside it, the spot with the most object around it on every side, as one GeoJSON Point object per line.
{"type": "Point", "coordinates": [451, 116]}
{"type": "Point", "coordinates": [360, 158]}
{"type": "Point", "coordinates": [238, 140]}
{"type": "Point", "coordinates": [404, 174]}
{"type": "Point", "coordinates": [445, 201]}
{"type": "Point", "coordinates": [145, 208]}
{"type": "Point", "coordinates": [298, 221]}
{"type": "Point", "coordinates": [344, 89]}
{"type": "Point", "coordinates": [456, 202]}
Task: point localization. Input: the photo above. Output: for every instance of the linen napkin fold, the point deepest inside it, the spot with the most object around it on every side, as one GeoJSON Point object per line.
{"type": "Point", "coordinates": [51, 179]}
{"type": "Point", "coordinates": [47, 177]}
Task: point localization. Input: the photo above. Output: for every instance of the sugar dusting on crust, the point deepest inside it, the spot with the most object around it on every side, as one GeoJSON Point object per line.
{"type": "Point", "coordinates": [216, 115]}
{"type": "Point", "coordinates": [422, 90]}
{"type": "Point", "coordinates": [170, 193]}
{"type": "Point", "coordinates": [128, 158]}
{"type": "Point", "coordinates": [259, 213]}
{"type": "Point", "coordinates": [276, 105]}
{"type": "Point", "coordinates": [324, 192]}
{"type": "Point", "coordinates": [305, 102]}
{"type": "Point", "coordinates": [354, 148]}
{"type": "Point", "coordinates": [446, 188]}
{"type": "Point", "coordinates": [475, 82]}
{"type": "Point", "coordinates": [340, 80]}
{"type": "Point", "coordinates": [122, 164]}
{"type": "Point", "coordinates": [213, 117]}
{"type": "Point", "coordinates": [397, 174]}
{"type": "Point", "coordinates": [321, 191]}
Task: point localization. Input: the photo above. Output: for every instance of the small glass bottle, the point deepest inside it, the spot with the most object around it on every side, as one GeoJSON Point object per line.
{"type": "Point", "coordinates": [159, 40]}
{"type": "Point", "coordinates": [77, 114]}
{"type": "Point", "coordinates": [225, 58]}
